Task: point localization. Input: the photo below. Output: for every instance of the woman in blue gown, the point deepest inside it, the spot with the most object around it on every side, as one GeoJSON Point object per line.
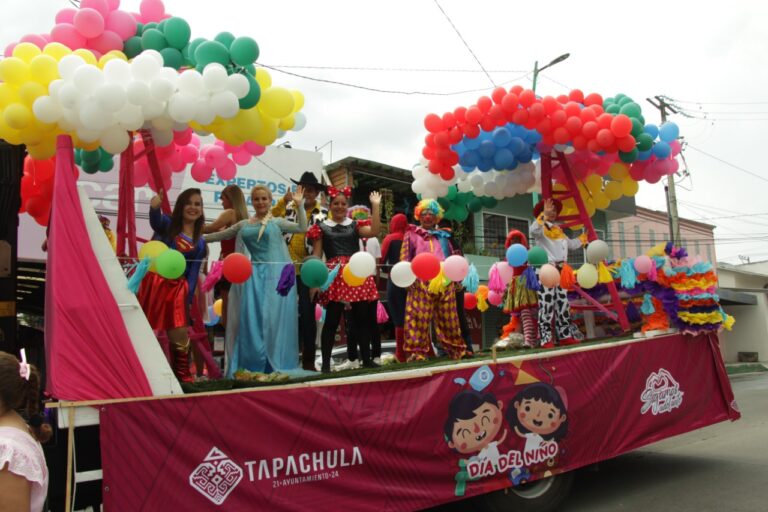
{"type": "Point", "coordinates": [260, 321]}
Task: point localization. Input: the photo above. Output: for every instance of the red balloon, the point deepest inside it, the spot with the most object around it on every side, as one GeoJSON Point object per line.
{"type": "Point", "coordinates": [579, 142]}
{"type": "Point", "coordinates": [38, 206]}
{"type": "Point", "coordinates": [593, 99]}
{"type": "Point", "coordinates": [509, 102]}
{"type": "Point", "coordinates": [237, 268]}
{"type": "Point", "coordinates": [425, 266]}
{"type": "Point", "coordinates": [558, 118]}
{"type": "Point", "coordinates": [517, 89]}
{"type": "Point", "coordinates": [487, 123]}
{"type": "Point", "coordinates": [544, 126]}
{"type": "Point", "coordinates": [442, 139]}
{"type": "Point", "coordinates": [470, 301]}
{"type": "Point", "coordinates": [473, 115]}
{"type": "Point", "coordinates": [592, 145]}
{"type": "Point", "coordinates": [576, 95]}
{"type": "Point", "coordinates": [562, 99]}
{"type": "Point", "coordinates": [626, 144]}
{"type": "Point", "coordinates": [435, 166]}
{"type": "Point", "coordinates": [460, 115]}
{"type": "Point", "coordinates": [527, 97]}
{"type": "Point", "coordinates": [537, 111]}
{"type": "Point", "coordinates": [455, 135]}
{"type": "Point", "coordinates": [550, 104]}
{"type": "Point", "coordinates": [498, 95]}
{"type": "Point", "coordinates": [587, 115]}
{"type": "Point", "coordinates": [433, 123]}
{"type": "Point", "coordinates": [604, 121]}
{"type": "Point", "coordinates": [621, 125]}
{"type": "Point", "coordinates": [605, 138]}
{"type": "Point", "coordinates": [484, 104]}
{"type": "Point", "coordinates": [561, 135]}
{"type": "Point", "coordinates": [574, 125]}
{"type": "Point", "coordinates": [520, 117]}
{"type": "Point", "coordinates": [590, 129]}
{"type": "Point", "coordinates": [448, 173]}
{"type": "Point", "coordinates": [428, 152]}
{"type": "Point", "coordinates": [496, 112]}
{"type": "Point", "coordinates": [429, 140]}
{"type": "Point", "coordinates": [471, 130]}
{"type": "Point", "coordinates": [449, 120]}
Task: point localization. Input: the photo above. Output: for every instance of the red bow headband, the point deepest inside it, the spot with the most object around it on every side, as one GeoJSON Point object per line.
{"type": "Point", "coordinates": [333, 192]}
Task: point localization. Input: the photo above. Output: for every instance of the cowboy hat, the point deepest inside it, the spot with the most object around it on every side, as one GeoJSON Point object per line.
{"type": "Point", "coordinates": [309, 179]}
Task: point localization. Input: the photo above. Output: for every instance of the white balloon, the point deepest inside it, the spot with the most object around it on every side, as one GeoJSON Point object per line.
{"type": "Point", "coordinates": [54, 88]}
{"type": "Point", "coordinates": [169, 74]}
{"type": "Point", "coordinates": [163, 123]}
{"type": "Point", "coordinates": [46, 110]}
{"type": "Point", "coordinates": [130, 117]}
{"type": "Point", "coordinates": [117, 71]}
{"type": "Point", "coordinates": [362, 264]}
{"type": "Point", "coordinates": [300, 121]}
{"type": "Point", "coordinates": [69, 96]}
{"type": "Point", "coordinates": [87, 79]}
{"type": "Point", "coordinates": [155, 55]}
{"type": "Point", "coordinates": [144, 67]}
{"type": "Point", "coordinates": [110, 96]}
{"type": "Point", "coordinates": [597, 251]}
{"type": "Point", "coordinates": [464, 186]}
{"type": "Point", "coordinates": [402, 275]}
{"type": "Point", "coordinates": [181, 108]}
{"type": "Point", "coordinates": [239, 85]}
{"type": "Point", "coordinates": [215, 77]}
{"type": "Point", "coordinates": [92, 117]}
{"type": "Point", "coordinates": [162, 137]}
{"type": "Point", "coordinates": [204, 113]}
{"type": "Point", "coordinates": [71, 120]}
{"type": "Point", "coordinates": [86, 135]}
{"type": "Point", "coordinates": [115, 140]}
{"type": "Point", "coordinates": [69, 64]}
{"type": "Point", "coordinates": [152, 109]}
{"type": "Point", "coordinates": [476, 181]}
{"type": "Point", "coordinates": [225, 104]}
{"type": "Point", "coordinates": [161, 89]}
{"type": "Point", "coordinates": [137, 93]}
{"type": "Point", "coordinates": [191, 82]}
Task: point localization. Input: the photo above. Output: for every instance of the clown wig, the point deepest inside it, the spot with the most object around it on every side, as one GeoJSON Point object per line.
{"type": "Point", "coordinates": [359, 212]}
{"type": "Point", "coordinates": [429, 205]}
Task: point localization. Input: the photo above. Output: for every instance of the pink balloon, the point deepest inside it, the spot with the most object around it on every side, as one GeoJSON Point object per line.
{"type": "Point", "coordinates": [165, 151]}
{"type": "Point", "coordinates": [122, 24]}
{"type": "Point", "coordinates": [675, 146]}
{"type": "Point", "coordinates": [318, 312]}
{"type": "Point", "coordinates": [189, 154]}
{"type": "Point", "coordinates": [176, 162]}
{"type": "Point", "coordinates": [200, 172]}
{"type": "Point", "coordinates": [506, 273]}
{"type": "Point", "coordinates": [152, 10]}
{"type": "Point", "coordinates": [140, 173]}
{"type": "Point", "coordinates": [182, 137]}
{"type": "Point", "coordinates": [113, 4]}
{"type": "Point", "coordinates": [66, 15]}
{"type": "Point", "coordinates": [106, 42]}
{"type": "Point", "coordinates": [637, 171]}
{"type": "Point", "coordinates": [227, 171]}
{"type": "Point", "coordinates": [138, 17]}
{"type": "Point", "coordinates": [253, 148]}
{"type": "Point", "coordinates": [98, 5]}
{"type": "Point", "coordinates": [9, 50]}
{"type": "Point", "coordinates": [35, 39]}
{"type": "Point", "coordinates": [549, 276]}
{"type": "Point", "coordinates": [216, 156]}
{"type": "Point", "coordinates": [241, 157]}
{"type": "Point", "coordinates": [195, 140]}
{"type": "Point", "coordinates": [643, 264]}
{"type": "Point", "coordinates": [89, 23]}
{"type": "Point", "coordinates": [68, 35]}
{"type": "Point", "coordinates": [495, 298]}
{"type": "Point", "coordinates": [455, 267]}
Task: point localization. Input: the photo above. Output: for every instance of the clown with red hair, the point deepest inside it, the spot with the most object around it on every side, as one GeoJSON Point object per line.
{"type": "Point", "coordinates": [424, 301]}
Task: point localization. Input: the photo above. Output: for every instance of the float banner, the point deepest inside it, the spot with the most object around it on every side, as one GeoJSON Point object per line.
{"type": "Point", "coordinates": [410, 443]}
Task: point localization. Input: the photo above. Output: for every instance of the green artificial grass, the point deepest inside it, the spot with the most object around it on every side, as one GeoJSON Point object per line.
{"type": "Point", "coordinates": [745, 368]}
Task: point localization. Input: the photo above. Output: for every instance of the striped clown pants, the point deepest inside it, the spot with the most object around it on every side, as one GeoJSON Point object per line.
{"type": "Point", "coordinates": [421, 307]}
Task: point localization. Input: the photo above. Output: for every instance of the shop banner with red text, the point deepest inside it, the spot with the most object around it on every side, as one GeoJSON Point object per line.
{"type": "Point", "coordinates": [409, 443]}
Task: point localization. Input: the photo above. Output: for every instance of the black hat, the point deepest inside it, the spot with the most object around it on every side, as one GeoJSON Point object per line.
{"type": "Point", "coordinates": [308, 178]}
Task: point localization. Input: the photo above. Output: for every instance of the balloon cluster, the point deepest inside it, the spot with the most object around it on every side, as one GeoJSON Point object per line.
{"type": "Point", "coordinates": [37, 188]}
{"type": "Point", "coordinates": [92, 162]}
{"type": "Point", "coordinates": [168, 263]}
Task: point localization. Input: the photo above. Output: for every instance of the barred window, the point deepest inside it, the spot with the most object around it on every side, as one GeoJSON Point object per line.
{"type": "Point", "coordinates": [495, 230]}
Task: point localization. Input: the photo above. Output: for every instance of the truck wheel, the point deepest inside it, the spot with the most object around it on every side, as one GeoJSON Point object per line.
{"type": "Point", "coordinates": [543, 495]}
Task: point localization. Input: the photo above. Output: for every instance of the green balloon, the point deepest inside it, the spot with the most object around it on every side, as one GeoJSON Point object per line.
{"type": "Point", "coordinates": [462, 198]}
{"type": "Point", "coordinates": [106, 163]}
{"type": "Point", "coordinates": [225, 38]}
{"type": "Point", "coordinates": [630, 109]}
{"type": "Point", "coordinates": [537, 256]}
{"type": "Point", "coordinates": [172, 58]}
{"type": "Point", "coordinates": [475, 205]}
{"type": "Point", "coordinates": [91, 157]}
{"type": "Point", "coordinates": [150, 25]}
{"type": "Point", "coordinates": [132, 47]}
{"type": "Point", "coordinates": [452, 192]}
{"type": "Point", "coordinates": [314, 273]}
{"type": "Point", "coordinates": [637, 127]}
{"type": "Point", "coordinates": [177, 32]}
{"type": "Point", "coordinates": [444, 202]}
{"type": "Point", "coordinates": [139, 29]}
{"type": "Point", "coordinates": [250, 69]}
{"type": "Point", "coordinates": [625, 100]}
{"type": "Point", "coordinates": [153, 39]}
{"type": "Point", "coordinates": [78, 157]}
{"type": "Point", "coordinates": [90, 167]}
{"type": "Point", "coordinates": [613, 108]}
{"type": "Point", "coordinates": [254, 93]}
{"type": "Point", "coordinates": [244, 51]}
{"type": "Point", "coordinates": [161, 26]}
{"type": "Point", "coordinates": [488, 201]}
{"type": "Point", "coordinates": [210, 52]}
{"type": "Point", "coordinates": [170, 264]}
{"type": "Point", "coordinates": [462, 214]}
{"type": "Point", "coordinates": [628, 156]}
{"type": "Point", "coordinates": [191, 48]}
{"type": "Point", "coordinates": [644, 142]}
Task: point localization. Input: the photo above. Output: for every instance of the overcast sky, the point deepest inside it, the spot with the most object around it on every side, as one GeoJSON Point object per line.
{"type": "Point", "coordinates": [712, 57]}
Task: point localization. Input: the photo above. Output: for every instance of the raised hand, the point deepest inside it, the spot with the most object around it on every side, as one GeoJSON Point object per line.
{"type": "Point", "coordinates": [288, 196]}
{"type": "Point", "coordinates": [156, 201]}
{"type": "Point", "coordinates": [375, 198]}
{"type": "Point", "coordinates": [298, 196]}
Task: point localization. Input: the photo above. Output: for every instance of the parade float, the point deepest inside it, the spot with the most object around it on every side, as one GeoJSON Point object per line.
{"type": "Point", "coordinates": [107, 84]}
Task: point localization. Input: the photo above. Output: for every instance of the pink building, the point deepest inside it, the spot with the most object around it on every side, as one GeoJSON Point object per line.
{"type": "Point", "coordinates": [631, 236]}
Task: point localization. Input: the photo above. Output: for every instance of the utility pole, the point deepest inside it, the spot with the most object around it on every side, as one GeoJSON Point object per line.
{"type": "Point", "coordinates": [669, 189]}
{"type": "Point", "coordinates": [11, 166]}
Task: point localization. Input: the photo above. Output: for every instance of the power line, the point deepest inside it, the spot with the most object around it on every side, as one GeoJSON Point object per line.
{"type": "Point", "coordinates": [728, 163]}
{"type": "Point", "coordinates": [731, 216]}
{"type": "Point", "coordinates": [675, 100]}
{"type": "Point", "coordinates": [405, 70]}
{"type": "Point", "coordinates": [465, 43]}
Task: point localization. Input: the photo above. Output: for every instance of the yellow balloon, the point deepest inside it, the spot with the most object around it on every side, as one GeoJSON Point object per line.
{"type": "Point", "coordinates": [114, 54]}
{"type": "Point", "coordinates": [594, 184]}
{"type": "Point", "coordinates": [87, 56]}
{"type": "Point", "coordinates": [14, 71]}
{"type": "Point", "coordinates": [618, 171]}
{"type": "Point", "coordinates": [268, 132]}
{"type": "Point", "coordinates": [217, 307]}
{"type": "Point", "coordinates": [44, 69]}
{"type": "Point", "coordinates": [32, 134]}
{"type": "Point", "coordinates": [152, 250]}
{"type": "Point", "coordinates": [263, 78]}
{"type": "Point", "coordinates": [30, 91]}
{"type": "Point", "coordinates": [8, 95]}
{"type": "Point", "coordinates": [56, 50]}
{"type": "Point", "coordinates": [601, 201]}
{"type": "Point", "coordinates": [350, 278]}
{"type": "Point", "coordinates": [629, 187]}
{"type": "Point", "coordinates": [613, 190]}
{"type": "Point", "coordinates": [26, 51]}
{"type": "Point", "coordinates": [42, 151]}
{"type": "Point", "coordinates": [298, 100]}
{"type": "Point", "coordinates": [276, 102]}
{"type": "Point", "coordinates": [17, 116]}
{"type": "Point", "coordinates": [590, 206]}
{"type": "Point", "coordinates": [587, 276]}
{"type": "Point", "coordinates": [287, 123]}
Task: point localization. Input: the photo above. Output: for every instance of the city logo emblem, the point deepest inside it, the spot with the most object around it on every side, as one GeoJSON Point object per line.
{"type": "Point", "coordinates": [216, 476]}
{"type": "Point", "coordinates": [662, 393]}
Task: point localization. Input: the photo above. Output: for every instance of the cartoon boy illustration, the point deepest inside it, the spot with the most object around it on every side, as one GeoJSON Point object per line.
{"type": "Point", "coordinates": [538, 414]}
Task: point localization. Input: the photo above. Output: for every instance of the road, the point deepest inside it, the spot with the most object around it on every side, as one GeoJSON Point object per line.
{"type": "Point", "coordinates": [722, 468]}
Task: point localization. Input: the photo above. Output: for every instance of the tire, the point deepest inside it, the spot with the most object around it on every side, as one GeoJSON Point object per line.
{"type": "Point", "coordinates": [543, 495]}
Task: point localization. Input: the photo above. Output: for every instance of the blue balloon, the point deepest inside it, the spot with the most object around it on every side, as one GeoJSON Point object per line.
{"type": "Point", "coordinates": [487, 149]}
{"type": "Point", "coordinates": [525, 156]}
{"type": "Point", "coordinates": [469, 159]}
{"type": "Point", "coordinates": [467, 168]}
{"type": "Point", "coordinates": [517, 146]}
{"type": "Point", "coordinates": [669, 132]}
{"type": "Point", "coordinates": [501, 137]}
{"type": "Point", "coordinates": [644, 155]}
{"type": "Point", "coordinates": [503, 159]}
{"type": "Point", "coordinates": [213, 317]}
{"type": "Point", "coordinates": [472, 143]}
{"type": "Point", "coordinates": [459, 148]}
{"type": "Point", "coordinates": [532, 136]}
{"type": "Point", "coordinates": [485, 164]}
{"type": "Point", "coordinates": [661, 150]}
{"type": "Point", "coordinates": [517, 255]}
{"type": "Point", "coordinates": [652, 130]}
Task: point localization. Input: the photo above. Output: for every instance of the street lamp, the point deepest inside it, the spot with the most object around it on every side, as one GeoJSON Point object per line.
{"type": "Point", "coordinates": [537, 69]}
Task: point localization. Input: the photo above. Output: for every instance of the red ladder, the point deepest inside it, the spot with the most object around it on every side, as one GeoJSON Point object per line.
{"type": "Point", "coordinates": [549, 161]}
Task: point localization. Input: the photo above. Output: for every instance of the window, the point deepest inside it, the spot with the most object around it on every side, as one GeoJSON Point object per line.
{"type": "Point", "coordinates": [697, 248]}
{"type": "Point", "coordinates": [495, 230]}
{"type": "Point", "coordinates": [638, 242]}
{"type": "Point", "coordinates": [709, 252]}
{"type": "Point", "coordinates": [622, 242]}
{"type": "Point", "coordinates": [652, 235]}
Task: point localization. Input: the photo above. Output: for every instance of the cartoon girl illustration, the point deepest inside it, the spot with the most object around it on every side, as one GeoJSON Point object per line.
{"type": "Point", "coordinates": [538, 414]}
{"type": "Point", "coordinates": [473, 425]}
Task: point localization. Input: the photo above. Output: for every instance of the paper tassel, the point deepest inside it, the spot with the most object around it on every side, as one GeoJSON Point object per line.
{"type": "Point", "coordinates": [652, 273]}
{"type": "Point", "coordinates": [531, 279]}
{"type": "Point", "coordinates": [494, 280]}
{"type": "Point", "coordinates": [141, 270]}
{"type": "Point", "coordinates": [331, 276]}
{"type": "Point", "coordinates": [567, 277]}
{"type": "Point", "coordinates": [381, 313]}
{"type": "Point", "coordinates": [287, 279]}
{"type": "Point", "coordinates": [628, 274]}
{"type": "Point", "coordinates": [603, 274]}
{"type": "Point", "coordinates": [511, 327]}
{"type": "Point", "coordinates": [213, 277]}
{"type": "Point", "coordinates": [472, 281]}
{"type": "Point", "coordinates": [437, 284]}
{"type": "Point", "coordinates": [647, 307]}
{"type": "Point", "coordinates": [482, 298]}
